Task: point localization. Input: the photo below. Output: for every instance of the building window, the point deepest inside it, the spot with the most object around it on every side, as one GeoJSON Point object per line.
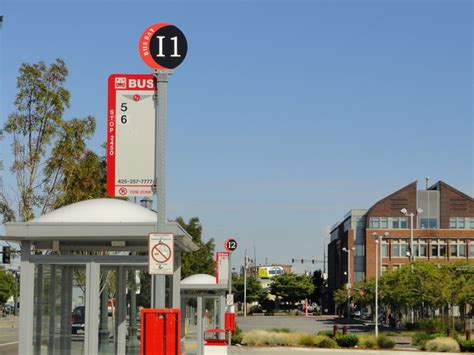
{"type": "Point", "coordinates": [471, 223]}
{"type": "Point", "coordinates": [399, 248]}
{"type": "Point", "coordinates": [452, 223]}
{"type": "Point", "coordinates": [419, 248]}
{"type": "Point", "coordinates": [384, 249]}
{"type": "Point", "coordinates": [438, 248]}
{"type": "Point", "coordinates": [403, 222]}
{"type": "Point", "coordinates": [359, 250]}
{"type": "Point", "coordinates": [458, 223]}
{"type": "Point", "coordinates": [384, 269]}
{"type": "Point", "coordinates": [395, 248]}
{"type": "Point", "coordinates": [388, 223]}
{"type": "Point", "coordinates": [431, 223]}
{"type": "Point", "coordinates": [471, 249]}
{"type": "Point", "coordinates": [374, 222]}
{"type": "Point", "coordinates": [457, 248]}
{"type": "Point", "coordinates": [359, 276]}
{"type": "Point", "coordinates": [398, 222]}
{"type": "Point", "coordinates": [396, 267]}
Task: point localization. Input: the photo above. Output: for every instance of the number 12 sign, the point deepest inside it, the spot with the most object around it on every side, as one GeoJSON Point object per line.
{"type": "Point", "coordinates": [130, 135]}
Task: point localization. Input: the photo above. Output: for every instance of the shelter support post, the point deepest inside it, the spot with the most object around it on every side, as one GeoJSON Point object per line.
{"type": "Point", "coordinates": [121, 326]}
{"type": "Point", "coordinates": [133, 310]}
{"type": "Point", "coordinates": [38, 291]}
{"type": "Point", "coordinates": [200, 330]}
{"type": "Point", "coordinates": [176, 287]}
{"type": "Point", "coordinates": [66, 305]}
{"type": "Point", "coordinates": [91, 338]}
{"type": "Point", "coordinates": [52, 311]}
{"type": "Point", "coordinates": [25, 346]}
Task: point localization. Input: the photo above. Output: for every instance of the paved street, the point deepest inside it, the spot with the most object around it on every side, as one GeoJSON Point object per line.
{"type": "Point", "coordinates": [299, 324]}
{"type": "Point", "coordinates": [8, 335]}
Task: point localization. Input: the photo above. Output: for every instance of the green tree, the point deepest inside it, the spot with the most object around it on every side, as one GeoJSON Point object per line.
{"type": "Point", "coordinates": [340, 297]}
{"type": "Point", "coordinates": [292, 288]}
{"type": "Point", "coordinates": [320, 285]}
{"type": "Point", "coordinates": [254, 288]}
{"type": "Point", "coordinates": [200, 261]}
{"type": "Point", "coordinates": [49, 153]}
{"type": "Point", "coordinates": [7, 286]}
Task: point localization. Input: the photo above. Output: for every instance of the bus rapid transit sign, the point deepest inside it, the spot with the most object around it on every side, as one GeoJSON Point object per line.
{"type": "Point", "coordinates": [130, 135]}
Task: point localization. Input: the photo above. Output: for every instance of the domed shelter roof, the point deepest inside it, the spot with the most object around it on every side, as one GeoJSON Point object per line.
{"type": "Point", "coordinates": [201, 282]}
{"type": "Point", "coordinates": [102, 210]}
{"type": "Point", "coordinates": [103, 224]}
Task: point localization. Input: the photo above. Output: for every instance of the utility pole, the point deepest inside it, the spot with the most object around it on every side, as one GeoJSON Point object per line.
{"type": "Point", "coordinates": [245, 283]}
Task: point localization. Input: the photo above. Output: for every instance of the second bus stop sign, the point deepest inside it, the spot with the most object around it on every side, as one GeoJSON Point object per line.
{"type": "Point", "coordinates": [230, 244]}
{"type": "Point", "coordinates": [163, 46]}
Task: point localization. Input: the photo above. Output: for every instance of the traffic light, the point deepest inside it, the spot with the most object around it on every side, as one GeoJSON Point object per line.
{"type": "Point", "coordinates": [6, 255]}
{"type": "Point", "coordinates": [292, 261]}
{"type": "Point", "coordinates": [312, 261]}
{"type": "Point", "coordinates": [302, 261]}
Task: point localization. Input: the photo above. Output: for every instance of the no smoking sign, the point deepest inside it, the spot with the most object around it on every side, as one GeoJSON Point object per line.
{"type": "Point", "coordinates": [160, 254]}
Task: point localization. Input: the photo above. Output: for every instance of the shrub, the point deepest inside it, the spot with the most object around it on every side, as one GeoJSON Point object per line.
{"type": "Point", "coordinates": [237, 336]}
{"type": "Point", "coordinates": [367, 341]}
{"type": "Point", "coordinates": [254, 337]}
{"type": "Point", "coordinates": [294, 339]}
{"type": "Point", "coordinates": [308, 340]}
{"type": "Point", "coordinates": [347, 341]}
{"type": "Point", "coordinates": [280, 330]}
{"type": "Point", "coordinates": [420, 339]}
{"type": "Point", "coordinates": [467, 345]}
{"type": "Point", "coordinates": [410, 326]}
{"type": "Point", "coordinates": [327, 333]}
{"type": "Point", "coordinates": [431, 326]}
{"type": "Point", "coordinates": [385, 343]}
{"type": "Point", "coordinates": [327, 343]}
{"type": "Point", "coordinates": [275, 339]}
{"type": "Point", "coordinates": [442, 344]}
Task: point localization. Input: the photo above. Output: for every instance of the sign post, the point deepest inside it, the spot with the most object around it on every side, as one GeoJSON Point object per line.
{"type": "Point", "coordinates": [130, 134]}
{"type": "Point", "coordinates": [162, 47]}
{"type": "Point", "coordinates": [230, 245]}
{"type": "Point", "coordinates": [161, 254]}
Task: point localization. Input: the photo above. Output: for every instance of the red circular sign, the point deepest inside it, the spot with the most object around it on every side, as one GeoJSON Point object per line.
{"type": "Point", "coordinates": [163, 46]}
{"type": "Point", "coordinates": [230, 244]}
{"type": "Point", "coordinates": [161, 253]}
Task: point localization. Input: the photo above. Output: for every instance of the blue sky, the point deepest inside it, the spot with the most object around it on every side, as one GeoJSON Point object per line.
{"type": "Point", "coordinates": [284, 114]}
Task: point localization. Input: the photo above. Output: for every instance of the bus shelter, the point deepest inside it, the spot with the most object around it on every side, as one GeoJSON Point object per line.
{"type": "Point", "coordinates": [84, 277]}
{"type": "Point", "coordinates": [203, 309]}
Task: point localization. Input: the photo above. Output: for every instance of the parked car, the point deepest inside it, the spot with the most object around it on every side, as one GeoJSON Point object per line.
{"type": "Point", "coordinates": [78, 319]}
{"type": "Point", "coordinates": [8, 308]}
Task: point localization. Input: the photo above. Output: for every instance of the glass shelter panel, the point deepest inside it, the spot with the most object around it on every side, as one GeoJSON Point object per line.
{"type": "Point", "coordinates": [59, 309]}
{"type": "Point", "coordinates": [190, 325]}
{"type": "Point", "coordinates": [121, 298]}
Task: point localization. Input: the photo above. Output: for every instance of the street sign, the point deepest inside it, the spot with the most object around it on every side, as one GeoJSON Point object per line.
{"type": "Point", "coordinates": [130, 135]}
{"type": "Point", "coordinates": [230, 244]}
{"type": "Point", "coordinates": [163, 46]}
{"type": "Point", "coordinates": [229, 301]}
{"type": "Point", "coordinates": [222, 267]}
{"type": "Point", "coordinates": [160, 254]}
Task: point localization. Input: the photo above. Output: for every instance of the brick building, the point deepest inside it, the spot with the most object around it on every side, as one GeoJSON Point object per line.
{"type": "Point", "coordinates": [443, 232]}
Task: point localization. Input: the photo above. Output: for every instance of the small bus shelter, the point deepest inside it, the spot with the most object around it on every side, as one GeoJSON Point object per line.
{"type": "Point", "coordinates": [83, 271]}
{"type": "Point", "coordinates": [203, 309]}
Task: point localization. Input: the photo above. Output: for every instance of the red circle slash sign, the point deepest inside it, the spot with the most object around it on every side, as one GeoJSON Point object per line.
{"type": "Point", "coordinates": [161, 253]}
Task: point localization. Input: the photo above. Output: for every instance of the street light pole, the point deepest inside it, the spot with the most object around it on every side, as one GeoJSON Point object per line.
{"type": "Point", "coordinates": [376, 285]}
{"type": "Point", "coordinates": [412, 247]}
{"type": "Point", "coordinates": [245, 283]}
{"type": "Point", "coordinates": [348, 251]}
{"type": "Point", "coordinates": [378, 265]}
